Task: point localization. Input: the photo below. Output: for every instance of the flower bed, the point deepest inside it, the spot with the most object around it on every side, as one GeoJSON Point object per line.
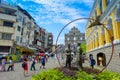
{"type": "Point", "coordinates": [62, 73]}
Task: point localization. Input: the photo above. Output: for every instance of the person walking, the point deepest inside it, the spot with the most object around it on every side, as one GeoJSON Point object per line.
{"type": "Point", "coordinates": [32, 64]}
{"type": "Point", "coordinates": [3, 63]}
{"type": "Point", "coordinates": [68, 57]}
{"type": "Point", "coordinates": [25, 67]}
{"type": "Point", "coordinates": [92, 63]}
{"type": "Point", "coordinates": [0, 64]}
{"type": "Point", "coordinates": [10, 64]}
{"type": "Point", "coordinates": [43, 62]}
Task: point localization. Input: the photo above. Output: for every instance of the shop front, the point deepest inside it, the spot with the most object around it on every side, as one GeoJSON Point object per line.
{"type": "Point", "coordinates": [27, 51]}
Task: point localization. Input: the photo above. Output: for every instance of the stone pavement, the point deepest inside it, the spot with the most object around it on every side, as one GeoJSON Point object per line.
{"type": "Point", "coordinates": [17, 74]}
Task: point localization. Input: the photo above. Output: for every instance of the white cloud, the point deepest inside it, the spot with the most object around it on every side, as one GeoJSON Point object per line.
{"type": "Point", "coordinates": [58, 12]}
{"type": "Point", "coordinates": [58, 6]}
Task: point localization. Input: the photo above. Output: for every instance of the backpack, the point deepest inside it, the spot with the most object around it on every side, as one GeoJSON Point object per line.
{"type": "Point", "coordinates": [43, 60]}
{"type": "Point", "coordinates": [33, 62]}
{"type": "Point", "coordinates": [23, 64]}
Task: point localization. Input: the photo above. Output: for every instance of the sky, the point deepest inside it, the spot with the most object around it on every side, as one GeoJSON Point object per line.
{"type": "Point", "coordinates": [53, 15]}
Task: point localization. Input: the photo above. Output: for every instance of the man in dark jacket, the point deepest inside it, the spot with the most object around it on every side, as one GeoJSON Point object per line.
{"type": "Point", "coordinates": [68, 57]}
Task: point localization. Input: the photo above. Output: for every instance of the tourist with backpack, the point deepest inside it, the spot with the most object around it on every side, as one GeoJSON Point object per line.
{"type": "Point", "coordinates": [25, 66]}
{"type": "Point", "coordinates": [92, 63]}
{"type": "Point", "coordinates": [10, 64]}
{"type": "Point", "coordinates": [43, 62]}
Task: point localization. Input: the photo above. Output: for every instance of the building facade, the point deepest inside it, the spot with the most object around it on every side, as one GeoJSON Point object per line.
{"type": "Point", "coordinates": [39, 37]}
{"type": "Point", "coordinates": [7, 27]}
{"type": "Point", "coordinates": [74, 36]}
{"type": "Point", "coordinates": [18, 31]}
{"type": "Point", "coordinates": [99, 39]}
{"type": "Point", "coordinates": [50, 42]}
{"type": "Point", "coordinates": [24, 31]}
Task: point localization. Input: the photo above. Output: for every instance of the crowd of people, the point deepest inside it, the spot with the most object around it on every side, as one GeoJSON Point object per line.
{"type": "Point", "coordinates": [41, 58]}
{"type": "Point", "coordinates": [3, 61]}
{"type": "Point", "coordinates": [79, 57]}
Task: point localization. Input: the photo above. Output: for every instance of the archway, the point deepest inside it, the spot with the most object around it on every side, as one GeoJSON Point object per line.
{"type": "Point", "coordinates": [101, 59]}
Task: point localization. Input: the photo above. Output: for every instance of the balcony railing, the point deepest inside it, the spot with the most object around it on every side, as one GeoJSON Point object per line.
{"type": "Point", "coordinates": [9, 17]}
{"type": "Point", "coordinates": [4, 29]}
{"type": "Point", "coordinates": [6, 42]}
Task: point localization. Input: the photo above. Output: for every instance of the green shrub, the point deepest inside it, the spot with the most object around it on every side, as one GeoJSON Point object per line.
{"type": "Point", "coordinates": [52, 74]}
{"type": "Point", "coordinates": [15, 57]}
{"type": "Point", "coordinates": [83, 46]}
{"type": "Point", "coordinates": [81, 75]}
{"type": "Point", "coordinates": [55, 74]}
{"type": "Point", "coordinates": [108, 75]}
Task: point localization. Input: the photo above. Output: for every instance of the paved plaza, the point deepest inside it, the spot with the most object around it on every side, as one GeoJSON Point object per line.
{"type": "Point", "coordinates": [17, 74]}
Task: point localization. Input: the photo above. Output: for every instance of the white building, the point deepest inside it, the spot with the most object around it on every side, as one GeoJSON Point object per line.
{"type": "Point", "coordinates": [18, 31]}
{"type": "Point", "coordinates": [7, 27]}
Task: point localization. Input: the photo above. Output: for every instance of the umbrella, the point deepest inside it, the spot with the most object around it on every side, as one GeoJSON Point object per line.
{"type": "Point", "coordinates": [46, 53]}
{"type": "Point", "coordinates": [41, 54]}
{"type": "Point", "coordinates": [4, 55]}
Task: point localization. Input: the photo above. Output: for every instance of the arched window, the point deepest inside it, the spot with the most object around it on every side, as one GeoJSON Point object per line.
{"type": "Point", "coordinates": [68, 39]}
{"type": "Point", "coordinates": [81, 38]}
{"type": "Point", "coordinates": [74, 38]}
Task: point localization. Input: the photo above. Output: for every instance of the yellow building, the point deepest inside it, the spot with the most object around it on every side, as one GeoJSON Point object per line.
{"type": "Point", "coordinates": [98, 39]}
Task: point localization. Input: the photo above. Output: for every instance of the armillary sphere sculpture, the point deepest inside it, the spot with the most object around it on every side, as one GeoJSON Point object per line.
{"type": "Point", "coordinates": [94, 22]}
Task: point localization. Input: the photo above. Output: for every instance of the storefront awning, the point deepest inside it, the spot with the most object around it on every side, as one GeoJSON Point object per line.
{"type": "Point", "coordinates": [32, 48]}
{"type": "Point", "coordinates": [27, 50]}
{"type": "Point", "coordinates": [18, 47]}
{"type": "Point", "coordinates": [4, 53]}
